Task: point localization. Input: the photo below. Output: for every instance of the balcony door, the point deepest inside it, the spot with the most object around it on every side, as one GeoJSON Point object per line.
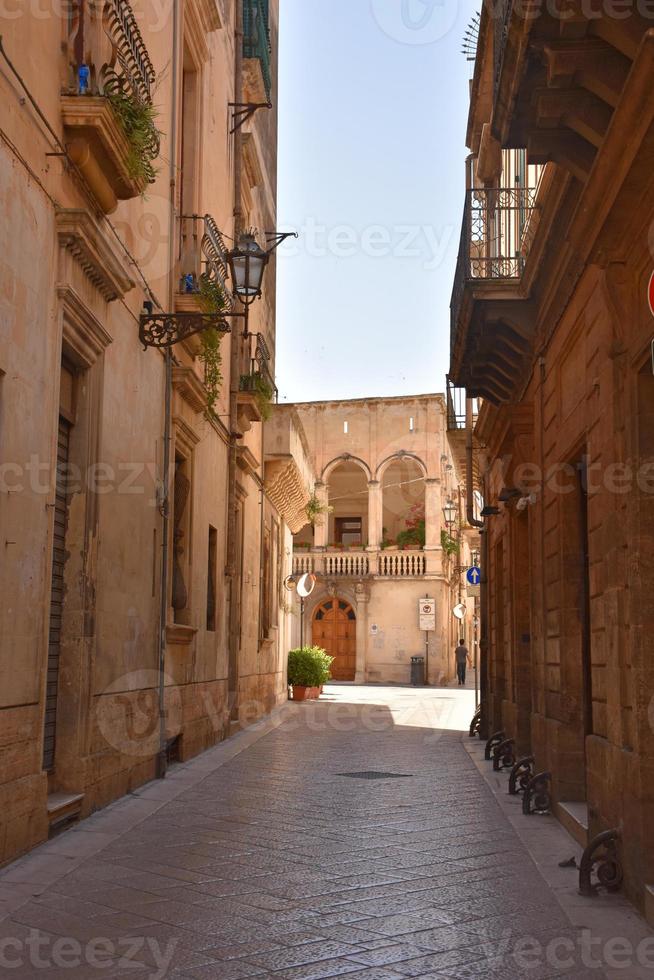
{"type": "Point", "coordinates": [335, 630]}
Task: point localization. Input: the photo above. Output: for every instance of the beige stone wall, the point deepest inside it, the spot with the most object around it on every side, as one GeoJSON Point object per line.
{"type": "Point", "coordinates": [395, 454]}
{"type": "Point", "coordinates": [72, 283]}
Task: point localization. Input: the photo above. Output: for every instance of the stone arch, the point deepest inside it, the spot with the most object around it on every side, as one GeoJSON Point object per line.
{"type": "Point", "coordinates": [345, 458]}
{"type": "Point", "coordinates": [403, 481]}
{"type": "Point", "coordinates": [394, 457]}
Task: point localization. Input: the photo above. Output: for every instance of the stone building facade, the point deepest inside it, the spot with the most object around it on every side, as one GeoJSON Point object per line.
{"type": "Point", "coordinates": [381, 465]}
{"type": "Point", "coordinates": [551, 328]}
{"type": "Point", "coordinates": [101, 214]}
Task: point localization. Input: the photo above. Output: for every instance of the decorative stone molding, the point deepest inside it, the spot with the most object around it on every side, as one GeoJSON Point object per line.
{"type": "Point", "coordinates": [201, 17]}
{"type": "Point", "coordinates": [179, 635]}
{"type": "Point", "coordinates": [189, 386]}
{"type": "Point", "coordinates": [80, 235]}
{"type": "Point", "coordinates": [98, 147]}
{"type": "Point", "coordinates": [251, 161]}
{"type": "Point", "coordinates": [186, 438]}
{"type": "Point", "coordinates": [246, 460]}
{"type": "Point", "coordinates": [287, 492]}
{"type": "Point", "coordinates": [83, 333]}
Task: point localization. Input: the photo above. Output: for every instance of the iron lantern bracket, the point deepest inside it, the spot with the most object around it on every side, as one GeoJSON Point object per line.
{"type": "Point", "coordinates": [167, 329]}
{"type": "Point", "coordinates": [275, 238]}
{"type": "Point", "coordinates": [244, 111]}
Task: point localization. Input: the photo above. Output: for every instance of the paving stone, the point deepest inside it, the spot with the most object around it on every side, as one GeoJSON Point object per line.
{"type": "Point", "coordinates": [263, 868]}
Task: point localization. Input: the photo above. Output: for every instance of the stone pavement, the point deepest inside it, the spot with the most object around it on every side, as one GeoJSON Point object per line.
{"type": "Point", "coordinates": [354, 837]}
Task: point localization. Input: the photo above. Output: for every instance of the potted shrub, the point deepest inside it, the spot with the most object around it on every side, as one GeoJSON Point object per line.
{"type": "Point", "coordinates": [308, 670]}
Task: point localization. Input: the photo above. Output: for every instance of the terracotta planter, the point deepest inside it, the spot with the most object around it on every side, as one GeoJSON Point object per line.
{"type": "Point", "coordinates": [301, 693]}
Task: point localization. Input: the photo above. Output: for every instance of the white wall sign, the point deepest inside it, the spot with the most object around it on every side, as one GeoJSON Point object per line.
{"type": "Point", "coordinates": [427, 611]}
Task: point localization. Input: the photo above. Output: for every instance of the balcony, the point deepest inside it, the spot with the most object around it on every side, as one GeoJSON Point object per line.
{"type": "Point", "coordinates": [257, 389]}
{"type": "Point", "coordinates": [289, 475]}
{"type": "Point", "coordinates": [490, 332]}
{"type": "Point", "coordinates": [256, 51]}
{"type": "Point", "coordinates": [202, 271]}
{"type": "Point", "coordinates": [361, 564]}
{"type": "Point", "coordinates": [106, 102]}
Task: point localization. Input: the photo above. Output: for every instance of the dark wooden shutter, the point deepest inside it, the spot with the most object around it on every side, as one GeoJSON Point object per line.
{"type": "Point", "coordinates": [56, 593]}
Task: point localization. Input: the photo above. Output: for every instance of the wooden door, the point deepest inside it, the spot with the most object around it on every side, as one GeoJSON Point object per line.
{"type": "Point", "coordinates": [335, 629]}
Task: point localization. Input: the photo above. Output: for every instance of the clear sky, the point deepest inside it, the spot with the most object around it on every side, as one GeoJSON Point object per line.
{"type": "Point", "coordinates": [373, 107]}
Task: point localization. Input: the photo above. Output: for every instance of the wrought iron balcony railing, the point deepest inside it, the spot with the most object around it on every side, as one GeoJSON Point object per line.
{"type": "Point", "coordinates": [256, 37]}
{"type": "Point", "coordinates": [456, 407]}
{"type": "Point", "coordinates": [496, 236]}
{"type": "Point", "coordinates": [260, 379]}
{"type": "Point", "coordinates": [203, 257]}
{"type": "Point", "coordinates": [106, 51]}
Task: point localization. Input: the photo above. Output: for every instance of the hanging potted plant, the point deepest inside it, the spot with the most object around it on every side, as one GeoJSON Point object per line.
{"type": "Point", "coordinates": [316, 511]}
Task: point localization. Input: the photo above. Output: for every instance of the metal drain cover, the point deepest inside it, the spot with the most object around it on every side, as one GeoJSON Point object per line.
{"type": "Point", "coordinates": [372, 774]}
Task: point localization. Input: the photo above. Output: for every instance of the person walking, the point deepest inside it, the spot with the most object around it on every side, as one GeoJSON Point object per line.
{"type": "Point", "coordinates": [462, 658]}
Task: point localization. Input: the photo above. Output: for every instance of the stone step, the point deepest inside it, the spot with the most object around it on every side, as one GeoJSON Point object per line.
{"type": "Point", "coordinates": [574, 817]}
{"type": "Point", "coordinates": [63, 811]}
{"type": "Point", "coordinates": [649, 904]}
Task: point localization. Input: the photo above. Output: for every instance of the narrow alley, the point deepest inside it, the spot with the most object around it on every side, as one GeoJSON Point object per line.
{"type": "Point", "coordinates": [356, 836]}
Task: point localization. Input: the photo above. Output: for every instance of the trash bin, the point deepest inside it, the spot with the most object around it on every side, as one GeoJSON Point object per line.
{"type": "Point", "coordinates": [418, 671]}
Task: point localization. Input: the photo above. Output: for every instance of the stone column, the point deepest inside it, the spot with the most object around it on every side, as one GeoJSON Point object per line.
{"type": "Point", "coordinates": [362, 632]}
{"type": "Point", "coordinates": [433, 516]}
{"type": "Point", "coordinates": [321, 531]}
{"type": "Point", "coordinates": [375, 515]}
{"type": "Point", "coordinates": [433, 524]}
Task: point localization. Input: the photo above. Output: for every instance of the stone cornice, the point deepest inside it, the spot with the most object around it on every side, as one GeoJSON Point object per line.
{"type": "Point", "coordinates": [287, 492]}
{"type": "Point", "coordinates": [189, 386]}
{"type": "Point", "coordinates": [81, 236]}
{"type": "Point", "coordinates": [82, 331]}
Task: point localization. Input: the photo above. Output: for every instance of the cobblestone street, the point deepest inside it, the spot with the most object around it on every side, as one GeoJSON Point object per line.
{"type": "Point", "coordinates": [355, 837]}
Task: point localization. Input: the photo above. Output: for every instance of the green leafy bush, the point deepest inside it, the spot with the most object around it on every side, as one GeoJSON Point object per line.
{"type": "Point", "coordinates": [309, 667]}
{"type": "Point", "coordinates": [138, 121]}
{"type": "Point", "coordinates": [315, 511]}
{"type": "Point", "coordinates": [264, 393]}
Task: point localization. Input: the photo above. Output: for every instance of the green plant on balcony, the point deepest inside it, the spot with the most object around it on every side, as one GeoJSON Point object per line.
{"type": "Point", "coordinates": [315, 510]}
{"type": "Point", "coordinates": [212, 300]}
{"type": "Point", "coordinates": [263, 391]}
{"type": "Point", "coordinates": [138, 122]}
{"type": "Point", "coordinates": [413, 536]}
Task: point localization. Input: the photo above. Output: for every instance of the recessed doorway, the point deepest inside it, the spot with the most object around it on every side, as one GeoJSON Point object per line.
{"type": "Point", "coordinates": [335, 630]}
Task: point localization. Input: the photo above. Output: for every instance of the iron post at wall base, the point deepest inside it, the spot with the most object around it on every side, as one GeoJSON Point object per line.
{"type": "Point", "coordinates": [537, 796]}
{"type": "Point", "coordinates": [521, 775]}
{"type": "Point", "coordinates": [504, 755]}
{"type": "Point", "coordinates": [601, 851]}
{"type": "Point", "coordinates": [492, 744]}
{"type": "Point", "coordinates": [475, 724]}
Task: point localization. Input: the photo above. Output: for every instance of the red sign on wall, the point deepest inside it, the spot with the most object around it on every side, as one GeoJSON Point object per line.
{"type": "Point", "coordinates": [650, 293]}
